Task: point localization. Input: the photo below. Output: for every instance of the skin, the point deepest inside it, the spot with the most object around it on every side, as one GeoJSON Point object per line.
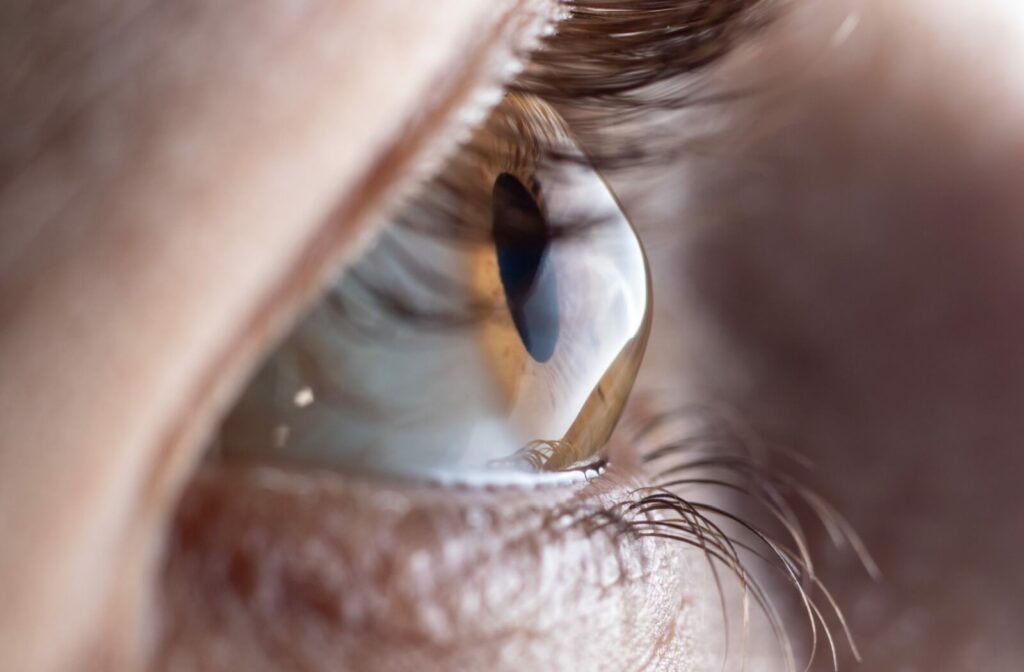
{"type": "Point", "coordinates": [856, 257]}
{"type": "Point", "coordinates": [849, 284]}
{"type": "Point", "coordinates": [180, 199]}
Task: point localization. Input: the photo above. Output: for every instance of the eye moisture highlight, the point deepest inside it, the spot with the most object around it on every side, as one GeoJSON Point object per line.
{"type": "Point", "coordinates": [505, 356]}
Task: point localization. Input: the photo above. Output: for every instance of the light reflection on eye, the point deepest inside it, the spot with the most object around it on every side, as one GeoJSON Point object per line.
{"type": "Point", "coordinates": [490, 358]}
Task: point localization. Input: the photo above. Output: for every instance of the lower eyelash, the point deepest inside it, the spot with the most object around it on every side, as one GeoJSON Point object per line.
{"type": "Point", "coordinates": [715, 454]}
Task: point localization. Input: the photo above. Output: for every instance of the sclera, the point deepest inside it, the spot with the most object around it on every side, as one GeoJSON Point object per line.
{"type": "Point", "coordinates": [468, 402]}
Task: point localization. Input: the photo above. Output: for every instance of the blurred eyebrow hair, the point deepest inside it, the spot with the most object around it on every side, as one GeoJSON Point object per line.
{"type": "Point", "coordinates": [623, 62]}
{"type": "Point", "coordinates": [607, 51]}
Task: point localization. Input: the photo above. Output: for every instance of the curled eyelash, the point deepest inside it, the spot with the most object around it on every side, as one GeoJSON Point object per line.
{"type": "Point", "coordinates": [689, 449]}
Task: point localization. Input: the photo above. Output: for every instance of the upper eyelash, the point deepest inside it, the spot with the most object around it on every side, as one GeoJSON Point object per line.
{"type": "Point", "coordinates": [655, 43]}
{"type": "Point", "coordinates": [616, 59]}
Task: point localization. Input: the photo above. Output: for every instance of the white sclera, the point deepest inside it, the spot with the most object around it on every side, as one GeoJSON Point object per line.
{"type": "Point", "coordinates": [455, 402]}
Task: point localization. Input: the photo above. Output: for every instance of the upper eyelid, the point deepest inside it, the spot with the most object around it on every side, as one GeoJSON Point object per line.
{"type": "Point", "coordinates": [342, 231]}
{"type": "Point", "coordinates": [130, 311]}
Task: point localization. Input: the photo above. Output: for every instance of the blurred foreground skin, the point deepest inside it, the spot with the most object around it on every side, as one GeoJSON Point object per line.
{"type": "Point", "coordinates": [854, 249]}
{"type": "Point", "coordinates": [841, 262]}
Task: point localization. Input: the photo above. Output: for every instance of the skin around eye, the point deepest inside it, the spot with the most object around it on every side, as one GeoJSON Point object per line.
{"type": "Point", "coordinates": [847, 276]}
{"type": "Point", "coordinates": [278, 567]}
{"type": "Point", "coordinates": [111, 313]}
{"type": "Point", "coordinates": [174, 181]}
{"type": "Point", "coordinates": [153, 265]}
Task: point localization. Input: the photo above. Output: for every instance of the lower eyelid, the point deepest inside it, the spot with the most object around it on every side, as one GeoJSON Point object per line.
{"type": "Point", "coordinates": [300, 568]}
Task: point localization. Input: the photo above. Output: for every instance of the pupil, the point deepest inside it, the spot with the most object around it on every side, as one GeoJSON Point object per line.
{"type": "Point", "coordinates": [521, 241]}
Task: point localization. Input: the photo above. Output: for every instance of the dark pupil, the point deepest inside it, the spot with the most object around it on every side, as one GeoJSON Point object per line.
{"type": "Point", "coordinates": [521, 241]}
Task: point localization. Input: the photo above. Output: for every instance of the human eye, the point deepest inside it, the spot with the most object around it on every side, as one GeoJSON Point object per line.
{"type": "Point", "coordinates": [426, 472]}
{"type": "Point", "coordinates": [420, 447]}
{"type": "Point", "coordinates": [494, 328]}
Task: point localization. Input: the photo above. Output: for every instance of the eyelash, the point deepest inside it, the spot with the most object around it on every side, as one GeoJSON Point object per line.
{"type": "Point", "coordinates": [702, 447]}
{"type": "Point", "coordinates": [610, 59]}
{"type": "Point", "coordinates": [616, 89]}
{"type": "Point", "coordinates": [615, 62]}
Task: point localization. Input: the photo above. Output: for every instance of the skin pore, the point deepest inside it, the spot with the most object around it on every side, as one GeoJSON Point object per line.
{"type": "Point", "coordinates": [840, 265]}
